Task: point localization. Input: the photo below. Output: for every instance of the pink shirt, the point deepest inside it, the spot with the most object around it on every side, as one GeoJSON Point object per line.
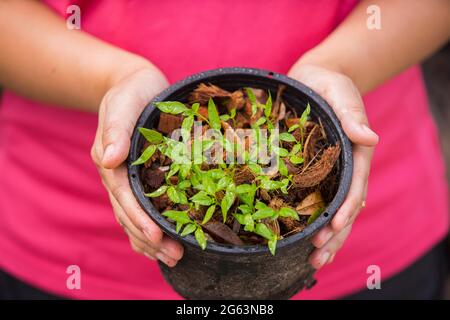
{"type": "Point", "coordinates": [55, 213]}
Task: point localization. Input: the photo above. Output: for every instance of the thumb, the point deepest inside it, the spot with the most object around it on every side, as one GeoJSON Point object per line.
{"type": "Point", "coordinates": [356, 128]}
{"type": "Point", "coordinates": [117, 128]}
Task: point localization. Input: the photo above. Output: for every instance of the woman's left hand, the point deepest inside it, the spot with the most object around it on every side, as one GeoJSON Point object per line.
{"type": "Point", "coordinates": [343, 96]}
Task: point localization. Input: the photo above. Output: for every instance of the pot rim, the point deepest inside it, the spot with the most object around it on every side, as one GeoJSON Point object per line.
{"type": "Point", "coordinates": [169, 228]}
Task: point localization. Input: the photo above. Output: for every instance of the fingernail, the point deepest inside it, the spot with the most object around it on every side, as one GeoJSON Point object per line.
{"type": "Point", "coordinates": [331, 258]}
{"type": "Point", "coordinates": [163, 258]}
{"type": "Point", "coordinates": [149, 256]}
{"type": "Point", "coordinates": [324, 258]}
{"type": "Point", "coordinates": [109, 152]}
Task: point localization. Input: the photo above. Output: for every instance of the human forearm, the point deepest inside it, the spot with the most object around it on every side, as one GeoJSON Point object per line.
{"type": "Point", "coordinates": [410, 31]}
{"type": "Point", "coordinates": [43, 60]}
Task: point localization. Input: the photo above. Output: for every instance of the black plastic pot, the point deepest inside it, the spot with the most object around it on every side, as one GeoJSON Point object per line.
{"type": "Point", "coordinates": [244, 272]}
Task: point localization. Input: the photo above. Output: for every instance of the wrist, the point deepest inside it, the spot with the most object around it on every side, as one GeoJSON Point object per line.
{"type": "Point", "coordinates": [315, 58]}
{"type": "Point", "coordinates": [128, 67]}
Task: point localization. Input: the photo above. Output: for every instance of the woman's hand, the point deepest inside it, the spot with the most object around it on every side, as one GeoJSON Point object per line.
{"type": "Point", "coordinates": [119, 110]}
{"type": "Point", "coordinates": [343, 96]}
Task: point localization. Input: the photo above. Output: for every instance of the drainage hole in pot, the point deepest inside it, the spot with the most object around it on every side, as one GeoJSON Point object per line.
{"type": "Point", "coordinates": [325, 214]}
{"type": "Point", "coordinates": [133, 176]}
{"type": "Point", "coordinates": [270, 74]}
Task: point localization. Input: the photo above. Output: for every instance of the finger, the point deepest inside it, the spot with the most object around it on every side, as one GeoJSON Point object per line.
{"type": "Point", "coordinates": [167, 246]}
{"type": "Point", "coordinates": [356, 195]}
{"type": "Point", "coordinates": [349, 108]}
{"type": "Point", "coordinates": [141, 247]}
{"type": "Point", "coordinates": [322, 237]}
{"type": "Point", "coordinates": [97, 146]}
{"type": "Point", "coordinates": [123, 105]}
{"type": "Point", "coordinates": [117, 127]}
{"type": "Point", "coordinates": [166, 259]}
{"type": "Point", "coordinates": [171, 248]}
{"type": "Point", "coordinates": [356, 130]}
{"type": "Point", "coordinates": [125, 222]}
{"type": "Point", "coordinates": [117, 182]}
{"type": "Point", "coordinates": [323, 255]}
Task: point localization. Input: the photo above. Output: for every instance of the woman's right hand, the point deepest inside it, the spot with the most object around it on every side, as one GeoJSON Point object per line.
{"type": "Point", "coordinates": [118, 112]}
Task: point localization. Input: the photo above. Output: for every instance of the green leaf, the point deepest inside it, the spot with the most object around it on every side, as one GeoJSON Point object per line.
{"type": "Point", "coordinates": [151, 136]}
{"type": "Point", "coordinates": [209, 213]}
{"type": "Point", "coordinates": [213, 115]}
{"type": "Point", "coordinates": [240, 218]}
{"type": "Point", "coordinates": [292, 128]}
{"type": "Point", "coordinates": [188, 123]}
{"type": "Point", "coordinates": [296, 159]}
{"type": "Point", "coordinates": [260, 205]}
{"type": "Point", "coordinates": [226, 203]}
{"type": "Point", "coordinates": [178, 227]}
{"type": "Point", "coordinates": [246, 220]}
{"type": "Point", "coordinates": [260, 122]}
{"type": "Point", "coordinates": [248, 198]}
{"type": "Point", "coordinates": [249, 223]}
{"type": "Point", "coordinates": [225, 117]}
{"type": "Point", "coordinates": [209, 185]}
{"type": "Point", "coordinates": [255, 168]}
{"type": "Point", "coordinates": [296, 149]}
{"type": "Point", "coordinates": [147, 154]}
{"type": "Point", "coordinates": [195, 182]}
{"type": "Point", "coordinates": [272, 244]}
{"type": "Point", "coordinates": [245, 209]}
{"type": "Point", "coordinates": [262, 230]}
{"type": "Point", "coordinates": [183, 185]}
{"type": "Point", "coordinates": [185, 170]}
{"type": "Point", "coordinates": [161, 190]}
{"type": "Point", "coordinates": [251, 95]}
{"type": "Point", "coordinates": [305, 115]}
{"type": "Point", "coordinates": [233, 113]}
{"type": "Point", "coordinates": [268, 106]}
{"type": "Point", "coordinates": [223, 183]}
{"type": "Point", "coordinates": [282, 152]}
{"type": "Point", "coordinates": [206, 144]}
{"type": "Point", "coordinates": [287, 137]}
{"type": "Point", "coordinates": [315, 215]}
{"type": "Point", "coordinates": [172, 107]}
{"type": "Point", "coordinates": [216, 173]}
{"type": "Point", "coordinates": [244, 188]}
{"type": "Point", "coordinates": [189, 229]}
{"type": "Point", "coordinates": [202, 199]}
{"type": "Point", "coordinates": [268, 184]}
{"type": "Point", "coordinates": [195, 107]}
{"type": "Point", "coordinates": [174, 167]}
{"type": "Point", "coordinates": [288, 213]}
{"type": "Point", "coordinates": [177, 216]}
{"type": "Point", "coordinates": [264, 213]}
{"type": "Point", "coordinates": [254, 109]}
{"type": "Point", "coordinates": [201, 239]}
{"type": "Point", "coordinates": [282, 168]}
{"type": "Point", "coordinates": [176, 196]}
{"type": "Point", "coordinates": [285, 184]}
